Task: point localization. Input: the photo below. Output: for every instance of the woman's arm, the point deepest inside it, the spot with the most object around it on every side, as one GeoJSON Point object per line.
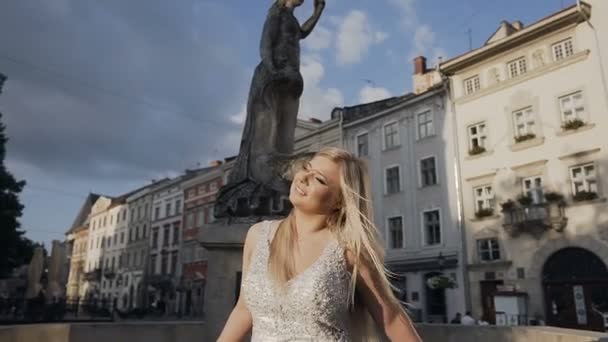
{"type": "Point", "coordinates": [391, 319]}
{"type": "Point", "coordinates": [309, 25]}
{"type": "Point", "coordinates": [239, 322]}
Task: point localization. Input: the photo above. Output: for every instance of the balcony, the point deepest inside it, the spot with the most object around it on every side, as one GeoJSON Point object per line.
{"type": "Point", "coordinates": [109, 273]}
{"type": "Point", "coordinates": [533, 218]}
{"type": "Point", "coordinates": [94, 275]}
{"type": "Point", "coordinates": [161, 281]}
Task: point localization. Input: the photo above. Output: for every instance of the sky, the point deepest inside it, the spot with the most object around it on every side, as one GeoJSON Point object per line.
{"type": "Point", "coordinates": [105, 96]}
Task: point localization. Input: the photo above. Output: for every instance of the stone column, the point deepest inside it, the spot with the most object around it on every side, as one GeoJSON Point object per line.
{"type": "Point", "coordinates": [224, 242]}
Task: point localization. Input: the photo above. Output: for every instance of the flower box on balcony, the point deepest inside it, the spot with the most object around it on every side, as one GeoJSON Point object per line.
{"type": "Point", "coordinates": [584, 196]}
{"type": "Point", "coordinates": [441, 282]}
{"type": "Point", "coordinates": [477, 150]}
{"type": "Point", "coordinates": [525, 137]}
{"type": "Point", "coordinates": [525, 200]}
{"type": "Point", "coordinates": [484, 212]}
{"type": "Point", "coordinates": [573, 124]}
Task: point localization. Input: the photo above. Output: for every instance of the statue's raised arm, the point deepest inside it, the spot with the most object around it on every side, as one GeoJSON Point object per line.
{"type": "Point", "coordinates": [309, 25]}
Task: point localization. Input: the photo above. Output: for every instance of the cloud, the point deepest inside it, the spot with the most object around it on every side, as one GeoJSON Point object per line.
{"type": "Point", "coordinates": [424, 41]}
{"type": "Point", "coordinates": [112, 94]}
{"type": "Point", "coordinates": [317, 101]}
{"type": "Point", "coordinates": [319, 39]}
{"type": "Point", "coordinates": [425, 44]}
{"type": "Point", "coordinates": [407, 9]}
{"type": "Point", "coordinates": [370, 94]}
{"type": "Point", "coordinates": [354, 38]}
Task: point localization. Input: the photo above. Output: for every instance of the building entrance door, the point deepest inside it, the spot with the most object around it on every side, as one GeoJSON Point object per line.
{"type": "Point", "coordinates": [575, 282]}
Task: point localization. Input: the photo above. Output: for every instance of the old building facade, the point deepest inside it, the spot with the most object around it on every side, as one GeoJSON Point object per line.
{"type": "Point", "coordinates": [531, 115]}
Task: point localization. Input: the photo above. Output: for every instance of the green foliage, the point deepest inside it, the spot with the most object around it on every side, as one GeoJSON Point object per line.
{"type": "Point", "coordinates": [573, 124]}
{"type": "Point", "coordinates": [15, 249]}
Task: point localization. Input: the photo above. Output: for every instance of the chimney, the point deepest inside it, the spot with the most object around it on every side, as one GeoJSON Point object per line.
{"type": "Point", "coordinates": [424, 78]}
{"type": "Point", "coordinates": [420, 65]}
{"type": "Point", "coordinates": [315, 120]}
{"type": "Point", "coordinates": [215, 163]}
{"type": "Point", "coordinates": [517, 25]}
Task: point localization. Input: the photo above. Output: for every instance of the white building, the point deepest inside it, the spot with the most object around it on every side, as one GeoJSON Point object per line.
{"type": "Point", "coordinates": [165, 243]}
{"type": "Point", "coordinates": [114, 246]}
{"type": "Point", "coordinates": [532, 116]}
{"type": "Point", "coordinates": [99, 222]}
{"type": "Point", "coordinates": [408, 143]}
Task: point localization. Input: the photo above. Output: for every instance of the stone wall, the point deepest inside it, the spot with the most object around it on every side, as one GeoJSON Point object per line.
{"type": "Point", "coordinates": [195, 332]}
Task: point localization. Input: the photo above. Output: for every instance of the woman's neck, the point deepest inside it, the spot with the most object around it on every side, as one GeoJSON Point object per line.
{"type": "Point", "coordinates": [308, 223]}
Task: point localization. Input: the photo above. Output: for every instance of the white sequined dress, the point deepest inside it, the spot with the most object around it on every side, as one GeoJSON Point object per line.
{"type": "Point", "coordinates": [314, 305]}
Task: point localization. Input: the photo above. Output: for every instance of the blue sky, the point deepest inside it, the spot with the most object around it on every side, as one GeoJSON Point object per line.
{"type": "Point", "coordinates": [105, 96]}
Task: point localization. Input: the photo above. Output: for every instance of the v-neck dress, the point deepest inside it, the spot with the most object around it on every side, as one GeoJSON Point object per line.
{"type": "Point", "coordinates": [313, 306]}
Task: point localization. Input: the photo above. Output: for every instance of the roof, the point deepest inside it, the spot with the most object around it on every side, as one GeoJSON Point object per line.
{"type": "Point", "coordinates": [407, 100]}
{"type": "Point", "coordinates": [366, 109]}
{"type": "Point", "coordinates": [540, 28]}
{"type": "Point", "coordinates": [84, 212]}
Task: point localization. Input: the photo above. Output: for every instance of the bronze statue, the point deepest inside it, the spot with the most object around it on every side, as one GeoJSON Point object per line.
{"type": "Point", "coordinates": [255, 184]}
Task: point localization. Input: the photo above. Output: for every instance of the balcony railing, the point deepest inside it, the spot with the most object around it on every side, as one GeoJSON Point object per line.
{"type": "Point", "coordinates": [533, 218]}
{"type": "Point", "coordinates": [94, 275]}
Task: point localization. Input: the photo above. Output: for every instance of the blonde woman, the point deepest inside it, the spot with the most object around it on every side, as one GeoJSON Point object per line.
{"type": "Point", "coordinates": [318, 275]}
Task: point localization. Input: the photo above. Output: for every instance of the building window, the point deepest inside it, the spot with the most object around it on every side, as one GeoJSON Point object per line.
{"type": "Point", "coordinates": [156, 213]}
{"type": "Point", "coordinates": [164, 263]}
{"type": "Point", "coordinates": [115, 238]}
{"type": "Point", "coordinates": [145, 234]}
{"type": "Point", "coordinates": [488, 250]}
{"type": "Point", "coordinates": [524, 122]}
{"type": "Point", "coordinates": [395, 229]}
{"type": "Point", "coordinates": [132, 215]}
{"type": "Point", "coordinates": [153, 258]}
{"type": "Point", "coordinates": [154, 237]}
{"type": "Point", "coordinates": [472, 85]}
{"type": "Point", "coordinates": [139, 213]}
{"type": "Point", "coordinates": [477, 136]}
{"type": "Point", "coordinates": [178, 206]}
{"type": "Point", "coordinates": [363, 145]}
{"type": "Point", "coordinates": [484, 198]}
{"type": "Point", "coordinates": [572, 107]}
{"type": "Point", "coordinates": [584, 179]}
{"type": "Point", "coordinates": [392, 180]}
{"type": "Point", "coordinates": [562, 49]}
{"type": "Point", "coordinates": [175, 235]}
{"type": "Point", "coordinates": [425, 124]}
{"type": "Point", "coordinates": [122, 237]}
{"type": "Point", "coordinates": [166, 236]}
{"type": "Point", "coordinates": [428, 171]}
{"type": "Point", "coordinates": [202, 214]}
{"type": "Point", "coordinates": [190, 220]}
{"type": "Point", "coordinates": [173, 262]}
{"type": "Point", "coordinates": [104, 220]}
{"type": "Point", "coordinates": [124, 215]}
{"type": "Point", "coordinates": [533, 188]}
{"type": "Point", "coordinates": [168, 209]}
{"type": "Point", "coordinates": [391, 135]}
{"type": "Point", "coordinates": [432, 227]}
{"type": "Point", "coordinates": [517, 67]}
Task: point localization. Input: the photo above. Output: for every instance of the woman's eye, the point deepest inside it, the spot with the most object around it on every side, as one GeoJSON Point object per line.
{"type": "Point", "coordinates": [320, 181]}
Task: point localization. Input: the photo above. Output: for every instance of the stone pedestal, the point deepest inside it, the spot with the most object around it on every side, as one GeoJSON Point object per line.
{"type": "Point", "coordinates": [224, 242]}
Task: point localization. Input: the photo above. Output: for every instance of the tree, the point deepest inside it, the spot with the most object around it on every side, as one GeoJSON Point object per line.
{"type": "Point", "coordinates": [15, 249]}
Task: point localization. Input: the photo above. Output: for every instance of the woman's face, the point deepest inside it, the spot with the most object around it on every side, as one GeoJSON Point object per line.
{"type": "Point", "coordinates": [315, 188]}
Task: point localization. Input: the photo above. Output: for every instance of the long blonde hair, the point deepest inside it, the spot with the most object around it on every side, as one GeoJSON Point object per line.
{"type": "Point", "coordinates": [351, 224]}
